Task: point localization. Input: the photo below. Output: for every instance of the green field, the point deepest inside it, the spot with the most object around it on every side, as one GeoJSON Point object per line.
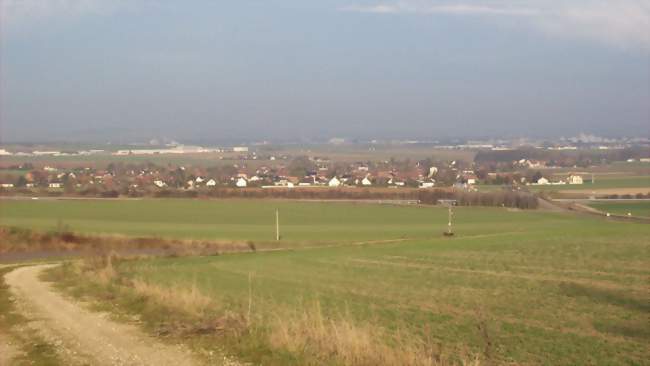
{"type": "Point", "coordinates": [636, 208]}
{"type": "Point", "coordinates": [253, 219]}
{"type": "Point", "coordinates": [603, 182]}
{"type": "Point", "coordinates": [521, 287]}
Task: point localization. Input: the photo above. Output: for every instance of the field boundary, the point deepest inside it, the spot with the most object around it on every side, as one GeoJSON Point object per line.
{"type": "Point", "coordinates": [579, 207]}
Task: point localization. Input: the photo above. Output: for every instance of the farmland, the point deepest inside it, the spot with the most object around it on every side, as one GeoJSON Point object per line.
{"type": "Point", "coordinates": [513, 286]}
{"type": "Point", "coordinates": [250, 219]}
{"type": "Point", "coordinates": [606, 182]}
{"type": "Point", "coordinates": [636, 208]}
{"type": "Point", "coordinates": [338, 153]}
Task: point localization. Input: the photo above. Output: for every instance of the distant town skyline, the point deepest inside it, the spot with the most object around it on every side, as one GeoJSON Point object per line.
{"type": "Point", "coordinates": [125, 71]}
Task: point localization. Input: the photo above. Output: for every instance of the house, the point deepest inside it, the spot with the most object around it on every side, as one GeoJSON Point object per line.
{"type": "Point", "coordinates": [211, 183]}
{"type": "Point", "coordinates": [433, 171]}
{"type": "Point", "coordinates": [321, 180]}
{"type": "Point", "coordinates": [531, 163]}
{"type": "Point", "coordinates": [366, 181]}
{"type": "Point", "coordinates": [334, 182]}
{"type": "Point", "coordinates": [55, 185]}
{"type": "Point", "coordinates": [394, 180]}
{"type": "Point", "coordinates": [159, 183]}
{"type": "Point", "coordinates": [574, 179]}
{"type": "Point", "coordinates": [465, 187]}
{"type": "Point", "coordinates": [283, 182]}
{"type": "Point", "coordinates": [542, 181]}
{"type": "Point", "coordinates": [307, 181]}
{"type": "Point", "coordinates": [470, 179]}
{"type": "Point", "coordinates": [241, 182]}
{"type": "Point", "coordinates": [199, 180]}
{"type": "Point", "coordinates": [7, 185]}
{"type": "Point", "coordinates": [427, 184]}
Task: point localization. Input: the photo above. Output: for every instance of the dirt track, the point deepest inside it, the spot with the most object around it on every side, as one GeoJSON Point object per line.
{"type": "Point", "coordinates": [601, 191]}
{"type": "Point", "coordinates": [85, 337]}
{"type": "Point", "coordinates": [7, 350]}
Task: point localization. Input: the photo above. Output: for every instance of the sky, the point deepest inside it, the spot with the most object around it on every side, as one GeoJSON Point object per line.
{"type": "Point", "coordinates": [212, 70]}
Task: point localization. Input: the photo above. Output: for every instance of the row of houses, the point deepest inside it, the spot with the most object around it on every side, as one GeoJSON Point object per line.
{"type": "Point", "coordinates": [267, 178]}
{"type": "Point", "coordinates": [291, 182]}
{"type": "Point", "coordinates": [32, 185]}
{"type": "Point", "coordinates": [572, 179]}
{"type": "Point", "coordinates": [53, 178]}
{"type": "Point", "coordinates": [319, 172]}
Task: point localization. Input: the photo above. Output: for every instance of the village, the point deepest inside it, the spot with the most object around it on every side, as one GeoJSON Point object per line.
{"type": "Point", "coordinates": [168, 165]}
{"type": "Point", "coordinates": [298, 172]}
{"type": "Point", "coordinates": [186, 170]}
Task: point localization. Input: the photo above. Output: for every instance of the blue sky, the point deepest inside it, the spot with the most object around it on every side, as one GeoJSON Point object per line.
{"type": "Point", "coordinates": [212, 70]}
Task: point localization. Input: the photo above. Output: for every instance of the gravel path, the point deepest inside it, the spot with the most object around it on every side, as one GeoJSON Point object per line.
{"type": "Point", "coordinates": [7, 350]}
{"type": "Point", "coordinates": [84, 336]}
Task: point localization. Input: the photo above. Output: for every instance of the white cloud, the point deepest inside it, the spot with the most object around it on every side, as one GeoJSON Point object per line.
{"type": "Point", "coordinates": [620, 22]}
{"type": "Point", "coordinates": [462, 9]}
{"type": "Point", "coordinates": [623, 23]}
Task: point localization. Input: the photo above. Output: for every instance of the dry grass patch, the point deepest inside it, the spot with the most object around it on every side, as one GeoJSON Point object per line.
{"type": "Point", "coordinates": [14, 240]}
{"type": "Point", "coordinates": [189, 300]}
{"type": "Point", "coordinates": [349, 343]}
{"type": "Point", "coordinates": [100, 268]}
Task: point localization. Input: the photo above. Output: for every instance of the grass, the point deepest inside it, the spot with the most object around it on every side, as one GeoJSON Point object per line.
{"type": "Point", "coordinates": [520, 287]}
{"type": "Point", "coordinates": [248, 219]}
{"type": "Point", "coordinates": [636, 208]}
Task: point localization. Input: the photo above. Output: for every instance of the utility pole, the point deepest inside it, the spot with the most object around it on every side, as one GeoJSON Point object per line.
{"type": "Point", "coordinates": [277, 224]}
{"type": "Point", "coordinates": [450, 215]}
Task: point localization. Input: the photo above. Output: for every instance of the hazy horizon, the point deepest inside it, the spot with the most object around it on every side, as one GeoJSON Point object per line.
{"type": "Point", "coordinates": [126, 71]}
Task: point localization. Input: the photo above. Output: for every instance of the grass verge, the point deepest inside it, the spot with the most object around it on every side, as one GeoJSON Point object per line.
{"type": "Point", "coordinates": [251, 332]}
